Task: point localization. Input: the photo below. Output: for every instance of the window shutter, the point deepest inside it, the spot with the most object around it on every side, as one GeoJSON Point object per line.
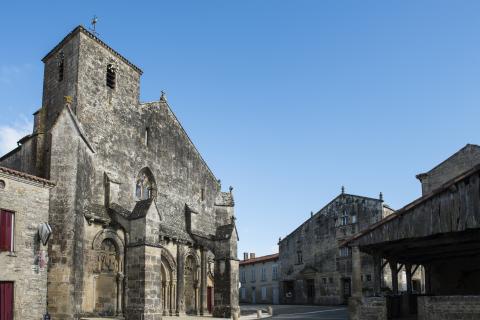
{"type": "Point", "coordinates": [5, 231]}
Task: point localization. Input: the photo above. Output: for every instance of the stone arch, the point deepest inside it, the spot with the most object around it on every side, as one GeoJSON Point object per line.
{"type": "Point", "coordinates": [169, 282]}
{"type": "Point", "coordinates": [191, 280]}
{"type": "Point", "coordinates": [145, 184]}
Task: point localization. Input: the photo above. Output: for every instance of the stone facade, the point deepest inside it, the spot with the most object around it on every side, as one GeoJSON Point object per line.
{"type": "Point", "coordinates": [25, 266]}
{"type": "Point", "coordinates": [141, 226]}
{"type": "Point", "coordinates": [461, 161]}
{"type": "Point", "coordinates": [314, 269]}
{"type": "Point", "coordinates": [259, 279]}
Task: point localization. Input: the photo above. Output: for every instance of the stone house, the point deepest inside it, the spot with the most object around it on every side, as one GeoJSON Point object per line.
{"type": "Point", "coordinates": [24, 204]}
{"type": "Point", "coordinates": [259, 279]}
{"type": "Point", "coordinates": [440, 231]}
{"type": "Point", "coordinates": [314, 268]}
{"type": "Point", "coordinates": [141, 227]}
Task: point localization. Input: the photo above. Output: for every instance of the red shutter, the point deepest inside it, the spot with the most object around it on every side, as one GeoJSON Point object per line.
{"type": "Point", "coordinates": [6, 300]}
{"type": "Point", "coordinates": [5, 230]}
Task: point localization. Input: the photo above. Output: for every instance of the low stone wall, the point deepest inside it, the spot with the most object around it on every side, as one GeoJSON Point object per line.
{"type": "Point", "coordinates": [373, 308]}
{"type": "Point", "coordinates": [448, 307]}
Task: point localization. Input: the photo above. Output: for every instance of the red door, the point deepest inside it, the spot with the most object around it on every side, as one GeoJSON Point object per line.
{"type": "Point", "coordinates": [209, 300]}
{"type": "Point", "coordinates": [6, 300]}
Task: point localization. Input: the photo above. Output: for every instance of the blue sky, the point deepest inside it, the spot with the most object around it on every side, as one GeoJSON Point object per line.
{"type": "Point", "coordinates": [286, 100]}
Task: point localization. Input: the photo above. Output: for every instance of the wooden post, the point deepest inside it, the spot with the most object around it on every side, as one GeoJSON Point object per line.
{"type": "Point", "coordinates": [394, 270]}
{"type": "Point", "coordinates": [377, 274]}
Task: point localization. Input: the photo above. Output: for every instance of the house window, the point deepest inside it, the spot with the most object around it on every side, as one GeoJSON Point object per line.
{"type": "Point", "coordinates": [253, 275]}
{"type": "Point", "coordinates": [202, 194]}
{"type": "Point", "coordinates": [344, 252]}
{"type": "Point", "coordinates": [243, 293]}
{"type": "Point", "coordinates": [111, 76]}
{"type": "Point", "coordinates": [264, 293]}
{"type": "Point", "coordinates": [369, 277]}
{"type": "Point", "coordinates": [354, 218]}
{"type": "Point", "coordinates": [242, 276]}
{"type": "Point", "coordinates": [275, 272]}
{"type": "Point", "coordinates": [7, 224]}
{"type": "Point", "coordinates": [299, 257]}
{"type": "Point", "coordinates": [344, 219]}
{"type": "Point", "coordinates": [324, 280]}
{"type": "Point", "coordinates": [264, 274]}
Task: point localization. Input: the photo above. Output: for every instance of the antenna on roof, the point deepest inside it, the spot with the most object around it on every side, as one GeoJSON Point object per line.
{"type": "Point", "coordinates": [93, 23]}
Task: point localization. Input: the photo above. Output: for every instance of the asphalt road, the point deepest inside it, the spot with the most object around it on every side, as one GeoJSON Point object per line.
{"type": "Point", "coordinates": [300, 312]}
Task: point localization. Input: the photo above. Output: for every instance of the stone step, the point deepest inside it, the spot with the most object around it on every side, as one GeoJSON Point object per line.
{"type": "Point", "coordinates": [102, 318]}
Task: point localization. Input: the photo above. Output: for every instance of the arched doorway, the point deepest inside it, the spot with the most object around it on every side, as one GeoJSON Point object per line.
{"type": "Point", "coordinates": [191, 285]}
{"type": "Point", "coordinates": [106, 291]}
{"type": "Point", "coordinates": [168, 285]}
{"type": "Point", "coordinates": [108, 274]}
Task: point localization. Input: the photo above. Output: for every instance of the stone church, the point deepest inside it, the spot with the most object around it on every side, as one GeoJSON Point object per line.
{"type": "Point", "coordinates": [140, 225]}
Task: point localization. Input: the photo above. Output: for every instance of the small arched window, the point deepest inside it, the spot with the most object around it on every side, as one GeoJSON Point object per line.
{"type": "Point", "coordinates": [60, 66]}
{"type": "Point", "coordinates": [145, 185]}
{"type": "Point", "coordinates": [111, 76]}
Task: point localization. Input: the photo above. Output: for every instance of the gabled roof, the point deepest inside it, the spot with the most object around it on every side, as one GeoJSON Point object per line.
{"type": "Point", "coordinates": [319, 212]}
{"type": "Point", "coordinates": [93, 37]}
{"type": "Point", "coordinates": [27, 176]}
{"type": "Point", "coordinates": [141, 209]}
{"type": "Point", "coordinates": [262, 259]}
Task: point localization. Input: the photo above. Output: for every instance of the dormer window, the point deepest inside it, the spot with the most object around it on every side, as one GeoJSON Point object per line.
{"type": "Point", "coordinates": [111, 76]}
{"type": "Point", "coordinates": [60, 66]}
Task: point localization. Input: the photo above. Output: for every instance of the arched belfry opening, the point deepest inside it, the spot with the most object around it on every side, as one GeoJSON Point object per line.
{"type": "Point", "coordinates": [145, 186]}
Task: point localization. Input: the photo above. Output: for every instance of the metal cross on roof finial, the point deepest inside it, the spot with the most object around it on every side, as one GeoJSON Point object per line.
{"type": "Point", "coordinates": [94, 24]}
{"type": "Point", "coordinates": [163, 96]}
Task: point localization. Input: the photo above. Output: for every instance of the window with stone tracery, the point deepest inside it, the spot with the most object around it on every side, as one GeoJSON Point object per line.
{"type": "Point", "coordinates": [143, 189]}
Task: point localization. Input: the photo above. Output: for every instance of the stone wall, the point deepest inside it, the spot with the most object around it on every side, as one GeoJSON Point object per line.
{"type": "Point", "coordinates": [448, 307]}
{"type": "Point", "coordinates": [460, 162]}
{"type": "Point", "coordinates": [26, 266]}
{"type": "Point", "coordinates": [317, 240]}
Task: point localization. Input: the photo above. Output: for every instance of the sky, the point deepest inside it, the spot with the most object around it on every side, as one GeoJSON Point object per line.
{"type": "Point", "coordinates": [286, 100]}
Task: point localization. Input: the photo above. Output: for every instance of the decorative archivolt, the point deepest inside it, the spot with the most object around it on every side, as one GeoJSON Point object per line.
{"type": "Point", "coordinates": [109, 251]}
{"type": "Point", "coordinates": [169, 262]}
{"type": "Point", "coordinates": [192, 253]}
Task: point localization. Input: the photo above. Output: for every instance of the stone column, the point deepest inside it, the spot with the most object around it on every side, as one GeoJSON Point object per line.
{"type": "Point", "coordinates": [377, 274]}
{"type": "Point", "coordinates": [408, 273]}
{"type": "Point", "coordinates": [196, 298]}
{"type": "Point", "coordinates": [203, 282]}
{"type": "Point", "coordinates": [356, 272]}
{"type": "Point", "coordinates": [120, 278]}
{"type": "Point", "coordinates": [170, 298]}
{"type": "Point", "coordinates": [165, 297]}
{"type": "Point", "coordinates": [394, 270]}
{"type": "Point", "coordinates": [180, 310]}
{"type": "Point", "coordinates": [355, 301]}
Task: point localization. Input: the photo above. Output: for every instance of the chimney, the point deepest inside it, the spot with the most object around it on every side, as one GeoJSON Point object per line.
{"type": "Point", "coordinates": [245, 256]}
{"type": "Point", "coordinates": [252, 255]}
